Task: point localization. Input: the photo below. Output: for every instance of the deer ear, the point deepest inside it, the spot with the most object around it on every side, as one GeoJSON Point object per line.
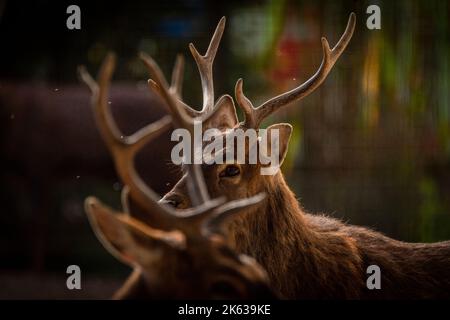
{"type": "Point", "coordinates": [224, 115]}
{"type": "Point", "coordinates": [284, 131]}
{"type": "Point", "coordinates": [125, 238]}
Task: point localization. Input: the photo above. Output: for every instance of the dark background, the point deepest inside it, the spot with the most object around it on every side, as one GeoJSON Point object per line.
{"type": "Point", "coordinates": [371, 146]}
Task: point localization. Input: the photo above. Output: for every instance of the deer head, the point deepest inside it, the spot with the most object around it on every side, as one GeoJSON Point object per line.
{"type": "Point", "coordinates": [177, 253]}
{"type": "Point", "coordinates": [236, 180]}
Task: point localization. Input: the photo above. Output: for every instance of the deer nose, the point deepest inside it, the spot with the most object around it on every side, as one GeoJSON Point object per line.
{"type": "Point", "coordinates": [175, 200]}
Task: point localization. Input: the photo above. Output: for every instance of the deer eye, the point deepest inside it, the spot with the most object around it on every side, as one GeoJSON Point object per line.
{"type": "Point", "coordinates": [230, 171]}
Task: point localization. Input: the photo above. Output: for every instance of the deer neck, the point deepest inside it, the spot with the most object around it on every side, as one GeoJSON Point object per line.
{"type": "Point", "coordinates": [278, 220]}
{"type": "Point", "coordinates": [294, 251]}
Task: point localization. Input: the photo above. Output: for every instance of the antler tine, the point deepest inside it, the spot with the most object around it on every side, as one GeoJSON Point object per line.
{"type": "Point", "coordinates": [124, 148]}
{"type": "Point", "coordinates": [169, 94]}
{"type": "Point", "coordinates": [246, 105]}
{"type": "Point", "coordinates": [177, 76]}
{"type": "Point", "coordinates": [176, 85]}
{"type": "Point", "coordinates": [107, 126]}
{"type": "Point", "coordinates": [213, 215]}
{"type": "Point", "coordinates": [96, 211]}
{"type": "Point", "coordinates": [124, 199]}
{"type": "Point", "coordinates": [254, 116]}
{"type": "Point", "coordinates": [205, 63]}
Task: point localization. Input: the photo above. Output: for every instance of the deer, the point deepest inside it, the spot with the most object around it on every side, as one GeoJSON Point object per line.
{"type": "Point", "coordinates": [175, 254]}
{"type": "Point", "coordinates": [306, 255]}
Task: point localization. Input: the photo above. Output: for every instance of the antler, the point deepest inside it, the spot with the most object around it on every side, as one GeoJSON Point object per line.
{"type": "Point", "coordinates": [181, 120]}
{"type": "Point", "coordinates": [205, 63]}
{"type": "Point", "coordinates": [211, 213]}
{"type": "Point", "coordinates": [195, 181]}
{"type": "Point", "coordinates": [254, 116]}
{"type": "Point", "coordinates": [123, 148]}
{"type": "Point", "coordinates": [177, 76]}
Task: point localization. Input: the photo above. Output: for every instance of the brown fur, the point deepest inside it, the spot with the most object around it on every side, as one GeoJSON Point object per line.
{"type": "Point", "coordinates": [311, 256]}
{"type": "Point", "coordinates": [314, 256]}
